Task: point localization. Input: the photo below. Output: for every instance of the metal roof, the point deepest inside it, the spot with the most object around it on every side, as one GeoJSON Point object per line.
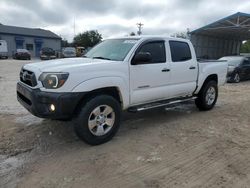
{"type": "Point", "coordinates": [236, 26]}
{"type": "Point", "coordinates": [34, 32]}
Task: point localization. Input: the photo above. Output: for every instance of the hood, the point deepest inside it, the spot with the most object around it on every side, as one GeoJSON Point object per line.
{"type": "Point", "coordinates": [64, 65]}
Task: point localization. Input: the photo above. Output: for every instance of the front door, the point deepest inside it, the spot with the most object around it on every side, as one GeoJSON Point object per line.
{"type": "Point", "coordinates": [149, 80]}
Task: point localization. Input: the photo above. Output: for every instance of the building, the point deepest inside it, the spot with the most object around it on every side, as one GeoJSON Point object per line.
{"type": "Point", "coordinates": [29, 38]}
{"type": "Point", "coordinates": [223, 37]}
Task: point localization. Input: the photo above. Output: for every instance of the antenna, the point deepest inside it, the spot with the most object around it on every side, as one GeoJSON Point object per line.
{"type": "Point", "coordinates": [74, 26]}
{"type": "Point", "coordinates": [139, 25]}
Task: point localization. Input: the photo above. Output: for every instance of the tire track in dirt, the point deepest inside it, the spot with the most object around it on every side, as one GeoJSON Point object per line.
{"type": "Point", "coordinates": [194, 172]}
{"type": "Point", "coordinates": [188, 157]}
{"type": "Point", "coordinates": [234, 169]}
{"type": "Point", "coordinates": [182, 168]}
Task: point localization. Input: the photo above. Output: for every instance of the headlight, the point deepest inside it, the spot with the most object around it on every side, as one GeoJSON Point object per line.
{"type": "Point", "coordinates": [230, 68]}
{"type": "Point", "coordinates": [53, 80]}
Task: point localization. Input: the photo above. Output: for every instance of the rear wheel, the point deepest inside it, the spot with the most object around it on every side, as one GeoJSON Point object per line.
{"type": "Point", "coordinates": [207, 96]}
{"type": "Point", "coordinates": [98, 120]}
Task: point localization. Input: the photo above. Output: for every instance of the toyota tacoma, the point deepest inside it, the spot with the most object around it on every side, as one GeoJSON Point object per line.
{"type": "Point", "coordinates": [129, 73]}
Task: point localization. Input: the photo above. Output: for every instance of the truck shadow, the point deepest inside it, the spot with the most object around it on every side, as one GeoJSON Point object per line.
{"type": "Point", "coordinates": [60, 132]}
{"type": "Point", "coordinates": [45, 136]}
{"type": "Point", "coordinates": [155, 117]}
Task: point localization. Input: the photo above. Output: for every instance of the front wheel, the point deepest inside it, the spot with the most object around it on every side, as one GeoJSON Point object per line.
{"type": "Point", "coordinates": [207, 96]}
{"type": "Point", "coordinates": [236, 78]}
{"type": "Point", "coordinates": [98, 120]}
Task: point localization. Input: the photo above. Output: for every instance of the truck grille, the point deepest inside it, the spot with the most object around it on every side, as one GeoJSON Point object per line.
{"type": "Point", "coordinates": [28, 78]}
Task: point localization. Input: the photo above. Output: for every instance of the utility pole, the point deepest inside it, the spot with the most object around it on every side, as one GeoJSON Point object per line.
{"type": "Point", "coordinates": [74, 26]}
{"type": "Point", "coordinates": [139, 25]}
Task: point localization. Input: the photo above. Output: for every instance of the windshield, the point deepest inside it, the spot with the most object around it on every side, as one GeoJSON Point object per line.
{"type": "Point", "coordinates": [233, 61]}
{"type": "Point", "coordinates": [112, 49]}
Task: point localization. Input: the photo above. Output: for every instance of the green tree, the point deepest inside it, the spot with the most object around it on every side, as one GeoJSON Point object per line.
{"type": "Point", "coordinates": [87, 38]}
{"type": "Point", "coordinates": [132, 34]}
{"type": "Point", "coordinates": [245, 47]}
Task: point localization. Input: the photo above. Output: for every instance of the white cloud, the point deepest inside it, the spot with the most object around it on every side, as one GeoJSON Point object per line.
{"type": "Point", "coordinates": [117, 17]}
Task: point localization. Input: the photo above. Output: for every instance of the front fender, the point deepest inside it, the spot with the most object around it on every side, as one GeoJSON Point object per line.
{"type": "Point", "coordinates": [104, 82]}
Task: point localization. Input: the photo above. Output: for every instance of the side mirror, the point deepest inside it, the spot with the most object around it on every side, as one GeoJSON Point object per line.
{"type": "Point", "coordinates": [141, 58]}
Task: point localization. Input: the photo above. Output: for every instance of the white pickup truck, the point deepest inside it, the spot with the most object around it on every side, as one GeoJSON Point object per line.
{"type": "Point", "coordinates": [130, 73]}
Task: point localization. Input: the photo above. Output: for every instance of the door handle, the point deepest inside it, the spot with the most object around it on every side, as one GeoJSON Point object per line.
{"type": "Point", "coordinates": [192, 67]}
{"type": "Point", "coordinates": [165, 70]}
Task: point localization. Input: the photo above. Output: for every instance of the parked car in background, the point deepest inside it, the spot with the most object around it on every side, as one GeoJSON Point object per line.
{"type": "Point", "coordinates": [69, 52]}
{"type": "Point", "coordinates": [238, 68]}
{"type": "Point", "coordinates": [3, 49]}
{"type": "Point", "coordinates": [47, 53]}
{"type": "Point", "coordinates": [80, 51]}
{"type": "Point", "coordinates": [22, 54]}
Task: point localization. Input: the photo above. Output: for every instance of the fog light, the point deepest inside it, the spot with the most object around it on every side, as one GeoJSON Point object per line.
{"type": "Point", "coordinates": [52, 107]}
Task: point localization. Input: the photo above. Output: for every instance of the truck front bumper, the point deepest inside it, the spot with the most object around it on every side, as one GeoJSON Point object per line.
{"type": "Point", "coordinates": [39, 102]}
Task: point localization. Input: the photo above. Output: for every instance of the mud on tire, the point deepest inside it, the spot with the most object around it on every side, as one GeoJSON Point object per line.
{"type": "Point", "coordinates": [207, 96]}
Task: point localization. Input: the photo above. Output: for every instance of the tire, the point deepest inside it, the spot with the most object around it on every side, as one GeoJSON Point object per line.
{"type": "Point", "coordinates": [236, 78]}
{"type": "Point", "coordinates": [207, 96]}
{"type": "Point", "coordinates": [91, 126]}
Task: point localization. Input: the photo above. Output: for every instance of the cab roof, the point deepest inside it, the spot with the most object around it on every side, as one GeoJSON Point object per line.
{"type": "Point", "coordinates": [150, 37]}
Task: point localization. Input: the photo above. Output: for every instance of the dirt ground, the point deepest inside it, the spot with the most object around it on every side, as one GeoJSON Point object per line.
{"type": "Point", "coordinates": [173, 147]}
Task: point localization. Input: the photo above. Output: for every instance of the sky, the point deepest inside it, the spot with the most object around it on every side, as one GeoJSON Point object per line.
{"type": "Point", "coordinates": [114, 18]}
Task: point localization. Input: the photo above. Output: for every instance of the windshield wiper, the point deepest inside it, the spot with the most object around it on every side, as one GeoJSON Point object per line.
{"type": "Point", "coordinates": [99, 57]}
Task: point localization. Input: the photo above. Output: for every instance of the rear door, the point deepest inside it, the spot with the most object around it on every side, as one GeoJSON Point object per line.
{"type": "Point", "coordinates": [184, 68]}
{"type": "Point", "coordinates": [149, 81]}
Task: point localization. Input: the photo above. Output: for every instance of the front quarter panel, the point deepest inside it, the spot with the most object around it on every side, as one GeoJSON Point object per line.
{"type": "Point", "coordinates": [104, 82]}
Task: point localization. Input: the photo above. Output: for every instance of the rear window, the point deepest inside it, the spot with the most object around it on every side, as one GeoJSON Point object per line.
{"type": "Point", "coordinates": [180, 51]}
{"type": "Point", "coordinates": [22, 50]}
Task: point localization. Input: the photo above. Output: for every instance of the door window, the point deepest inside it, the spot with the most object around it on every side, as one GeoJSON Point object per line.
{"type": "Point", "coordinates": [180, 51]}
{"type": "Point", "coordinates": [157, 51]}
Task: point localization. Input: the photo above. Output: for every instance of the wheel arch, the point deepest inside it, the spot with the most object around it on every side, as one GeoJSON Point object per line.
{"type": "Point", "coordinates": [210, 77]}
{"type": "Point", "coordinates": [111, 91]}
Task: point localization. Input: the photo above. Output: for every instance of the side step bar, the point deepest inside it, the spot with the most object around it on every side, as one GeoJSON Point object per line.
{"type": "Point", "coordinates": [159, 104]}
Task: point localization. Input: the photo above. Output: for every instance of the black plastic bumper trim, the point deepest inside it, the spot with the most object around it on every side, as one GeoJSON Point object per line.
{"type": "Point", "coordinates": [37, 102]}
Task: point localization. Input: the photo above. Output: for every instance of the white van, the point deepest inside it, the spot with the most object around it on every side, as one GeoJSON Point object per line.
{"type": "Point", "coordinates": [3, 49]}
